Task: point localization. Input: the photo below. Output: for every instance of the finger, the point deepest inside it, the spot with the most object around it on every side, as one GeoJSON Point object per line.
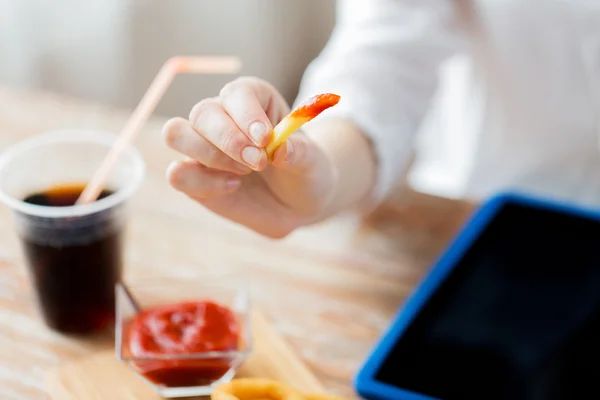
{"type": "Point", "coordinates": [181, 137]}
{"type": "Point", "coordinates": [298, 153]}
{"type": "Point", "coordinates": [211, 121]}
{"type": "Point", "coordinates": [245, 102]}
{"type": "Point", "coordinates": [191, 178]}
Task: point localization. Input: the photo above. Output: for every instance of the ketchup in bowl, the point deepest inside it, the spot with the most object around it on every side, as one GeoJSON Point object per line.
{"type": "Point", "coordinates": [186, 344]}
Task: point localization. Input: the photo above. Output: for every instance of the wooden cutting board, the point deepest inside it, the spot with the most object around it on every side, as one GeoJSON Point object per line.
{"type": "Point", "coordinates": [102, 376]}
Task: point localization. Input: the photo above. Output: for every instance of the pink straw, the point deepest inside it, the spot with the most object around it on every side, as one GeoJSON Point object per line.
{"type": "Point", "coordinates": [158, 87]}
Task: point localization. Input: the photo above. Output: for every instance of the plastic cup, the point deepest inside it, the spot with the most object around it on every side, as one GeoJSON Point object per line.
{"type": "Point", "coordinates": [74, 253]}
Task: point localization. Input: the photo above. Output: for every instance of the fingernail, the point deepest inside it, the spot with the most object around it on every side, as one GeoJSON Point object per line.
{"type": "Point", "coordinates": [251, 156]}
{"type": "Point", "coordinates": [257, 130]}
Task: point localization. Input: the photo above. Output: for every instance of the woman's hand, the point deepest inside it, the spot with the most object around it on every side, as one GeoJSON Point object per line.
{"type": "Point", "coordinates": [226, 168]}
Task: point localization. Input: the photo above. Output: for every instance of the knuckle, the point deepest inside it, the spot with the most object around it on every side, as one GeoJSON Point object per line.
{"type": "Point", "coordinates": [232, 141]}
{"type": "Point", "coordinates": [212, 156]}
{"type": "Point", "coordinates": [175, 177]}
{"type": "Point", "coordinates": [229, 88]}
{"type": "Point", "coordinates": [243, 83]}
{"type": "Point", "coordinates": [259, 84]}
{"type": "Point", "coordinates": [250, 115]}
{"type": "Point", "coordinates": [188, 179]}
{"type": "Point", "coordinates": [249, 81]}
{"type": "Point", "coordinates": [203, 106]}
{"type": "Point", "coordinates": [172, 131]}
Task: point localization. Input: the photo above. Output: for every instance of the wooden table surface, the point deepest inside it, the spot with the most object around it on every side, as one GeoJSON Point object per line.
{"type": "Point", "coordinates": [329, 289]}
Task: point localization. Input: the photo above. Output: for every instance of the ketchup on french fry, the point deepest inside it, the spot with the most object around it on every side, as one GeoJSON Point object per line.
{"type": "Point", "coordinates": [305, 112]}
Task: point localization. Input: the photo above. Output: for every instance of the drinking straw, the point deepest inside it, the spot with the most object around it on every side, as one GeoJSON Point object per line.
{"type": "Point", "coordinates": [156, 90]}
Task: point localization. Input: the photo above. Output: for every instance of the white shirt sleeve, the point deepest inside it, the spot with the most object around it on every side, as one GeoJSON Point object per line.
{"type": "Point", "coordinates": [383, 59]}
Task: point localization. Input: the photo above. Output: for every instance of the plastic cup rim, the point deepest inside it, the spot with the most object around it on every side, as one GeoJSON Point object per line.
{"type": "Point", "coordinates": [99, 137]}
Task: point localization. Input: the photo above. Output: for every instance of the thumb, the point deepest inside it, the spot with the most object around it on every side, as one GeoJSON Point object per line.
{"type": "Point", "coordinates": [298, 154]}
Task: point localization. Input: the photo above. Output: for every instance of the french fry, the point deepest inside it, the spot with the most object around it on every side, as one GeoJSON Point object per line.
{"type": "Point", "coordinates": [321, 396]}
{"type": "Point", "coordinates": [298, 117]}
{"type": "Point", "coordinates": [258, 388]}
{"type": "Point", "coordinates": [255, 388]}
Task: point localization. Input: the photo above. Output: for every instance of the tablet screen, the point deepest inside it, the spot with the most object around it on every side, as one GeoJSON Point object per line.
{"type": "Point", "coordinates": [517, 318]}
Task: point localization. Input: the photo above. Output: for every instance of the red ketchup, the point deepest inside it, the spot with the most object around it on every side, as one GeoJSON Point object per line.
{"type": "Point", "coordinates": [315, 105]}
{"type": "Point", "coordinates": [180, 330]}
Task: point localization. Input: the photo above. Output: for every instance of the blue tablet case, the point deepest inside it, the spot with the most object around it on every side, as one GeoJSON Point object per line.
{"type": "Point", "coordinates": [365, 383]}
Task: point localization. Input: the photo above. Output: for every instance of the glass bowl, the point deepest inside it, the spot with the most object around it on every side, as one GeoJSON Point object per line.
{"type": "Point", "coordinates": [182, 372]}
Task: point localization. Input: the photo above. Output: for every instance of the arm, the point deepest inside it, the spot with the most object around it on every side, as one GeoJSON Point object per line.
{"type": "Point", "coordinates": [383, 59]}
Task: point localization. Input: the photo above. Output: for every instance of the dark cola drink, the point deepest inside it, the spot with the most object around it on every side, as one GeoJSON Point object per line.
{"type": "Point", "coordinates": [74, 261]}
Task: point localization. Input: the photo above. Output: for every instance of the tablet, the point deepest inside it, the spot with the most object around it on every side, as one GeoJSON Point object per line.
{"type": "Point", "coordinates": [510, 311]}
